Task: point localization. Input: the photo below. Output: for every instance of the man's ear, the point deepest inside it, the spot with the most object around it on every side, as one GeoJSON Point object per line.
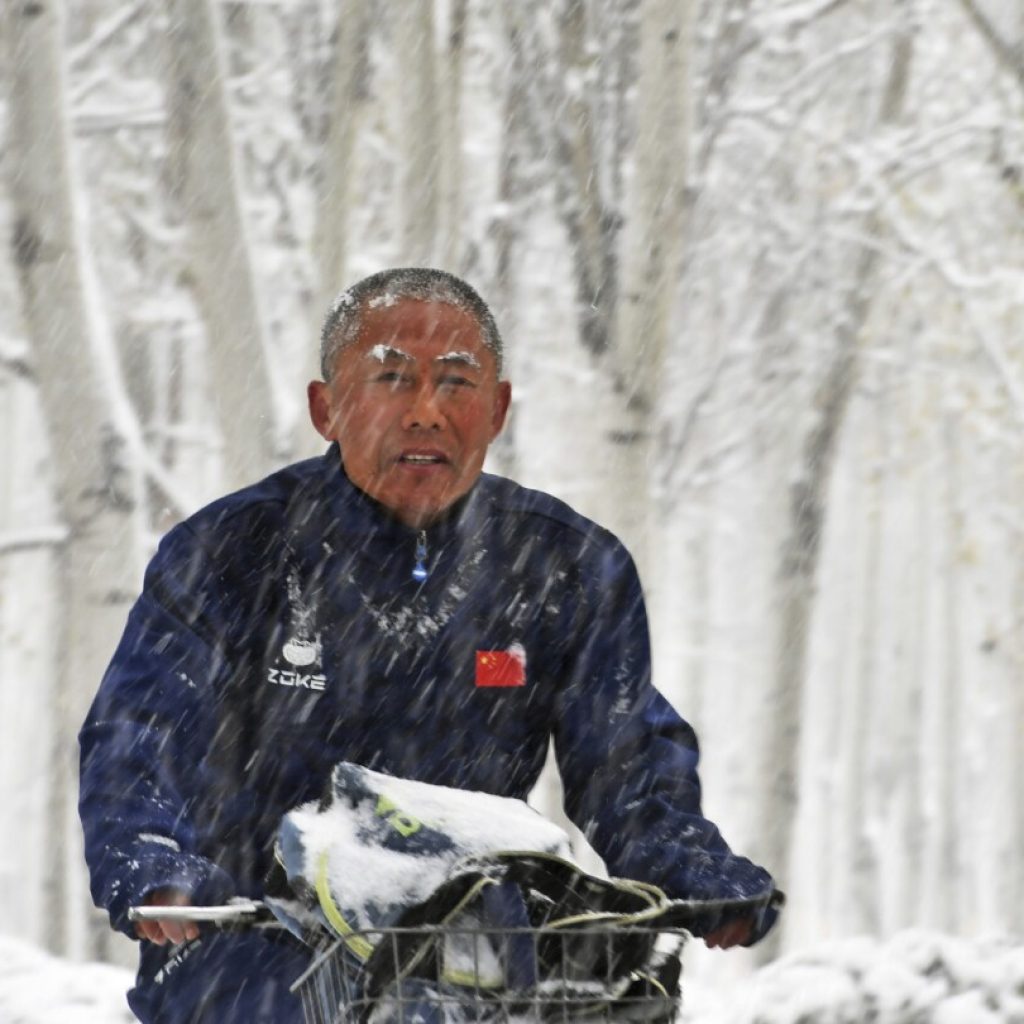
{"type": "Point", "coordinates": [321, 410]}
{"type": "Point", "coordinates": [502, 402]}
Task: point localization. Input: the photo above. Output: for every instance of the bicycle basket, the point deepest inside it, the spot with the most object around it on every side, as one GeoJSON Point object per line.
{"type": "Point", "coordinates": [435, 975]}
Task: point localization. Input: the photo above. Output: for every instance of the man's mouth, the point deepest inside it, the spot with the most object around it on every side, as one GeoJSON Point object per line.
{"type": "Point", "coordinates": [422, 458]}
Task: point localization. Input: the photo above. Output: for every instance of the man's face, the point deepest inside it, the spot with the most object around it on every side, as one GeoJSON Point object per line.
{"type": "Point", "coordinates": [414, 402]}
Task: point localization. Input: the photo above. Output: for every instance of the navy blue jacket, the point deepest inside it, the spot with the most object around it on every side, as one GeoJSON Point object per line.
{"type": "Point", "coordinates": [281, 630]}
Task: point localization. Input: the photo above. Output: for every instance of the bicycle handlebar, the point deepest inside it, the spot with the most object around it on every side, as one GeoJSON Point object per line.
{"type": "Point", "coordinates": [242, 911]}
{"type": "Point", "coordinates": [254, 913]}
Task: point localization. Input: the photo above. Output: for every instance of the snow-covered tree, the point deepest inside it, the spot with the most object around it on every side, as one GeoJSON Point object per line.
{"type": "Point", "coordinates": [757, 265]}
{"type": "Point", "coordinates": [91, 432]}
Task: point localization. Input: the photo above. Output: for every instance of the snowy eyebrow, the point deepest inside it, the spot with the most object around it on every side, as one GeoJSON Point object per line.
{"type": "Point", "coordinates": [382, 353]}
{"type": "Point", "coordinates": [462, 358]}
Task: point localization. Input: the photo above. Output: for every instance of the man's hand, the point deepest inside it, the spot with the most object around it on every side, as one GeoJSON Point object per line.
{"type": "Point", "coordinates": [162, 932]}
{"type": "Point", "coordinates": [732, 933]}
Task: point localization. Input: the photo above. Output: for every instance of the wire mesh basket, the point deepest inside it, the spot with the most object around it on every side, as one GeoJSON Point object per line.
{"type": "Point", "coordinates": [444, 975]}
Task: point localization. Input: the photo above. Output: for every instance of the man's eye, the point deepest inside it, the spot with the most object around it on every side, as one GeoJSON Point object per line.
{"type": "Point", "coordinates": [392, 377]}
{"type": "Point", "coordinates": [454, 380]}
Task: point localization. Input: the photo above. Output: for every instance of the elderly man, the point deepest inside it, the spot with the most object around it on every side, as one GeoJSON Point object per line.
{"type": "Point", "coordinates": [386, 604]}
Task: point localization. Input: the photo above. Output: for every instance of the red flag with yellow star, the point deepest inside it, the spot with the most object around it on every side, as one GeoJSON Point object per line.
{"type": "Point", "coordinates": [500, 668]}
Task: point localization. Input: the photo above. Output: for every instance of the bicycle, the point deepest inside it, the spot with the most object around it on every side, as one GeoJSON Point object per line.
{"type": "Point", "coordinates": [574, 970]}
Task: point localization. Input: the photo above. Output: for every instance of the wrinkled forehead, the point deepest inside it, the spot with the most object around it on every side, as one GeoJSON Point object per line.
{"type": "Point", "coordinates": [416, 329]}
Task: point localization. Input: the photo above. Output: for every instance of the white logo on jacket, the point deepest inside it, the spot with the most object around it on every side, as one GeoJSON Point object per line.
{"type": "Point", "coordinates": [297, 680]}
{"type": "Point", "coordinates": [300, 653]}
{"type": "Point", "coordinates": [302, 650]}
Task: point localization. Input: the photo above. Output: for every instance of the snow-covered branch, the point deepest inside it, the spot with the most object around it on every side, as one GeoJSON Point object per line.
{"type": "Point", "coordinates": [1010, 57]}
{"type": "Point", "coordinates": [121, 17]}
{"type": "Point", "coordinates": [15, 358]}
{"type": "Point", "coordinates": [13, 541]}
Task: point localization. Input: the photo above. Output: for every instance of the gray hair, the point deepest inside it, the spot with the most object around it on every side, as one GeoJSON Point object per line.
{"type": "Point", "coordinates": [341, 326]}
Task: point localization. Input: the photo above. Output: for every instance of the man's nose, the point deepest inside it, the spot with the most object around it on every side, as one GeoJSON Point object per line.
{"type": "Point", "coordinates": [425, 412]}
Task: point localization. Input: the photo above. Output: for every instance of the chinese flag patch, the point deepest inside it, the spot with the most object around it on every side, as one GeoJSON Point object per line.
{"type": "Point", "coordinates": [501, 668]}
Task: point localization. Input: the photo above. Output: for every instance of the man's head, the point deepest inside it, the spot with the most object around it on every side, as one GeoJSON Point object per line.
{"type": "Point", "coordinates": [411, 389]}
{"type": "Point", "coordinates": [341, 325]}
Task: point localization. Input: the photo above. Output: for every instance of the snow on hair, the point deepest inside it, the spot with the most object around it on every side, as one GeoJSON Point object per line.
{"type": "Point", "coordinates": [341, 326]}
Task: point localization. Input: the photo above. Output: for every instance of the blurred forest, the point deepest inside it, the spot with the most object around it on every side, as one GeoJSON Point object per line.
{"type": "Point", "coordinates": [760, 268]}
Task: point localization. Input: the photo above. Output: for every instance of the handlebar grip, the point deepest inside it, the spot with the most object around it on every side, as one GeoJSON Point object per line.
{"type": "Point", "coordinates": [238, 912]}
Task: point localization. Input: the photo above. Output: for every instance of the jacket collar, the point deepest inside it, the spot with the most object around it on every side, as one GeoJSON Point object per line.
{"type": "Point", "coordinates": [353, 514]}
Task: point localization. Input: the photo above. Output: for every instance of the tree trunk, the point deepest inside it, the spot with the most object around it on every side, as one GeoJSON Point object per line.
{"type": "Point", "coordinates": [450, 246]}
{"type": "Point", "coordinates": [339, 167]}
{"type": "Point", "coordinates": [591, 222]}
{"type": "Point", "coordinates": [507, 222]}
{"type": "Point", "coordinates": [31, 541]}
{"type": "Point", "coordinates": [948, 877]}
{"type": "Point", "coordinates": [861, 715]}
{"type": "Point", "coordinates": [1015, 916]}
{"type": "Point", "coordinates": [205, 182]}
{"type": "Point", "coordinates": [778, 758]}
{"type": "Point", "coordinates": [348, 106]}
{"type": "Point", "coordinates": [88, 420]}
{"type": "Point", "coordinates": [420, 166]}
{"type": "Point", "coordinates": [916, 610]}
{"type": "Point", "coordinates": [653, 240]}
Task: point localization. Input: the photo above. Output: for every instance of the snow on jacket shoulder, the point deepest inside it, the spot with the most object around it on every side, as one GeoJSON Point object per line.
{"type": "Point", "coordinates": [282, 630]}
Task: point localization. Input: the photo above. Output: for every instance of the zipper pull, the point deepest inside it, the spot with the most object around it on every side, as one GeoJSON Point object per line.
{"type": "Point", "coordinates": [420, 571]}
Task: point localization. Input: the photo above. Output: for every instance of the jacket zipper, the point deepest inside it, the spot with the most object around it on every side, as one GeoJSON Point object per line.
{"type": "Point", "coordinates": [420, 571]}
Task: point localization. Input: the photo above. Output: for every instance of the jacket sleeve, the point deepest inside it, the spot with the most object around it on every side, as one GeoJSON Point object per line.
{"type": "Point", "coordinates": [144, 740]}
{"type": "Point", "coordinates": [628, 761]}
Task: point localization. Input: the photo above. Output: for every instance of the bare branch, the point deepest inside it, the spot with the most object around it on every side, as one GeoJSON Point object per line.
{"type": "Point", "coordinates": [121, 19]}
{"type": "Point", "coordinates": [803, 15]}
{"type": "Point", "coordinates": [179, 501]}
{"type": "Point", "coordinates": [88, 123]}
{"type": "Point", "coordinates": [16, 541]}
{"type": "Point", "coordinates": [1009, 57]}
{"type": "Point", "coordinates": [679, 440]}
{"type": "Point", "coordinates": [810, 73]}
{"type": "Point", "coordinates": [16, 359]}
{"type": "Point", "coordinates": [996, 355]}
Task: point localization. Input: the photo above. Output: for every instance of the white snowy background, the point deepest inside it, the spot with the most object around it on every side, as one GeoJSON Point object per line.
{"type": "Point", "coordinates": [760, 268]}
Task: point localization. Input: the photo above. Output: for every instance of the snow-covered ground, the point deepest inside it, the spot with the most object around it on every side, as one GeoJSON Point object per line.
{"type": "Point", "coordinates": [915, 977]}
{"type": "Point", "coordinates": [36, 988]}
